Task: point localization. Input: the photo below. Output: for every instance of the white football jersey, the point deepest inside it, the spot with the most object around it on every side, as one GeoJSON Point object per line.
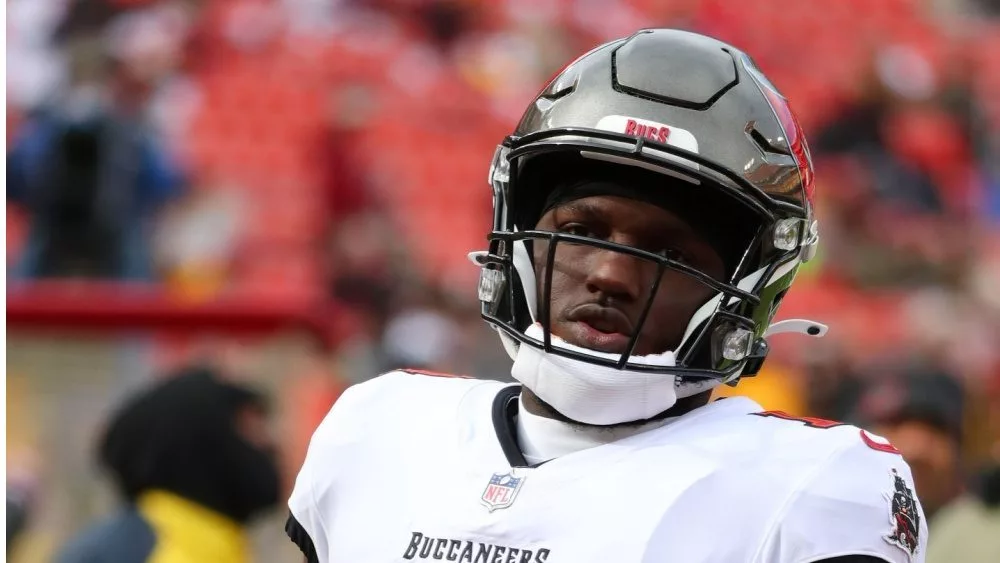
{"type": "Point", "coordinates": [410, 467]}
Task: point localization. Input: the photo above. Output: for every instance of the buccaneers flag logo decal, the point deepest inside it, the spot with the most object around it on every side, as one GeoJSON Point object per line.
{"type": "Point", "coordinates": [904, 516]}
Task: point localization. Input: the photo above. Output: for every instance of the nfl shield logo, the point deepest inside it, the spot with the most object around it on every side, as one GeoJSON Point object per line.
{"type": "Point", "coordinates": [501, 491]}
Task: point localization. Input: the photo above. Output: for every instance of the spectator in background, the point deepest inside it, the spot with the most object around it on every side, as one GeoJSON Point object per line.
{"type": "Point", "coordinates": [422, 338]}
{"type": "Point", "coordinates": [193, 461]}
{"type": "Point", "coordinates": [22, 492]}
{"type": "Point", "coordinates": [966, 530]}
{"type": "Point", "coordinates": [34, 65]}
{"type": "Point", "coordinates": [900, 160]}
{"type": "Point", "coordinates": [921, 413]}
{"type": "Point", "coordinates": [898, 77]}
{"type": "Point", "coordinates": [361, 239]}
{"type": "Point", "coordinates": [18, 515]}
{"type": "Point", "coordinates": [90, 174]}
{"type": "Point", "coordinates": [197, 238]}
{"type": "Point", "coordinates": [444, 21]}
{"type": "Point", "coordinates": [987, 8]}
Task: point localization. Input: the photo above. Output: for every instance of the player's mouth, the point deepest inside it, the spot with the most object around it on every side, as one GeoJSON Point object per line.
{"type": "Point", "coordinates": [604, 329]}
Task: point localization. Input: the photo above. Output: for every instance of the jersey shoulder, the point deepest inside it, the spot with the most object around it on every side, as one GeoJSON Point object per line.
{"type": "Point", "coordinates": [394, 400]}
{"type": "Point", "coordinates": [854, 494]}
{"type": "Point", "coordinates": [736, 431]}
{"type": "Point", "coordinates": [813, 438]}
{"type": "Point", "coordinates": [370, 424]}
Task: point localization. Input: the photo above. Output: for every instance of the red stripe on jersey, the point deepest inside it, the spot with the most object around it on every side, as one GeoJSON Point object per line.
{"type": "Point", "coordinates": [810, 421]}
{"type": "Point", "coordinates": [823, 423]}
{"type": "Point", "coordinates": [878, 446]}
{"type": "Point", "coordinates": [414, 371]}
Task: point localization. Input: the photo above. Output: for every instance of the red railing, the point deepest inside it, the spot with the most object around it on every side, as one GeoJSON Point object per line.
{"type": "Point", "coordinates": [111, 306]}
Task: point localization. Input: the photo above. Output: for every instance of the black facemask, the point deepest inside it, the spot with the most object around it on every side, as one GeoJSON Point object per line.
{"type": "Point", "coordinates": [727, 225]}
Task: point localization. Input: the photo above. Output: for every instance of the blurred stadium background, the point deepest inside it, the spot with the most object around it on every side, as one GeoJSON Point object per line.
{"type": "Point", "coordinates": [287, 189]}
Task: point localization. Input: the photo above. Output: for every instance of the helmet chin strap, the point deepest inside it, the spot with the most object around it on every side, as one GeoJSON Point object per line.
{"type": "Point", "coordinates": [600, 395]}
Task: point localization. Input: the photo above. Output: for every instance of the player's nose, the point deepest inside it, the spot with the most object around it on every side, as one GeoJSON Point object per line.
{"type": "Point", "coordinates": [618, 275]}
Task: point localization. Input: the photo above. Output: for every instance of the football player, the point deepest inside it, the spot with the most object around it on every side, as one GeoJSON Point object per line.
{"type": "Point", "coordinates": [651, 210]}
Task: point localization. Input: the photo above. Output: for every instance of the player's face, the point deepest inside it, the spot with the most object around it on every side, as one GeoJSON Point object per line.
{"type": "Point", "coordinates": [597, 296]}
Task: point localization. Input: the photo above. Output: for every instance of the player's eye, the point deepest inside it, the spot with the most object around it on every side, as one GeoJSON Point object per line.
{"type": "Point", "coordinates": [675, 255]}
{"type": "Point", "coordinates": [578, 229]}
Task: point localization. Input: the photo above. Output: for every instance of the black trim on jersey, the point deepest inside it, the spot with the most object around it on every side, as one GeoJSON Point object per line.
{"type": "Point", "coordinates": [854, 559]}
{"type": "Point", "coordinates": [505, 424]}
{"type": "Point", "coordinates": [301, 538]}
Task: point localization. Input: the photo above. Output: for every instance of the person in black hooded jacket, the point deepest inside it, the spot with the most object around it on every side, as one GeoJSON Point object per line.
{"type": "Point", "coordinates": [193, 462]}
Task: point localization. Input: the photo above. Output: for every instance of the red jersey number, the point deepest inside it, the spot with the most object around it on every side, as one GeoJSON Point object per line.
{"type": "Point", "coordinates": [874, 442]}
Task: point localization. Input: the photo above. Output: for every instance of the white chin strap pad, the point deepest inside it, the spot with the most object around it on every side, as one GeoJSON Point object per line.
{"type": "Point", "coordinates": [594, 394]}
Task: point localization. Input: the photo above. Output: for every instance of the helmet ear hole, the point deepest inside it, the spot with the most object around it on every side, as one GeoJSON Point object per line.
{"type": "Point", "coordinates": [522, 315]}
